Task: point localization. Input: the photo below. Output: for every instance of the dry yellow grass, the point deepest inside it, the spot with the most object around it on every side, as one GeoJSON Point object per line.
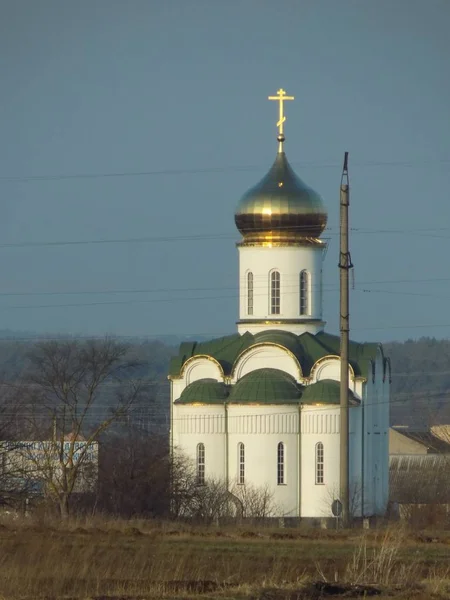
{"type": "Point", "coordinates": [99, 558]}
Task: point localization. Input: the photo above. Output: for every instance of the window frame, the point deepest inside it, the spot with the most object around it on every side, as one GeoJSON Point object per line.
{"type": "Point", "coordinates": [275, 292]}
{"type": "Point", "coordinates": [241, 464]}
{"type": "Point", "coordinates": [305, 293]}
{"type": "Point", "coordinates": [281, 463]}
{"type": "Point", "coordinates": [250, 293]}
{"type": "Point", "coordinates": [200, 464]}
{"type": "Point", "coordinates": [319, 464]}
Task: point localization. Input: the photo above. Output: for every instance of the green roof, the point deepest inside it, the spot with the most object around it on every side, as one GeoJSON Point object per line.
{"type": "Point", "coordinates": [288, 340]}
{"type": "Point", "coordinates": [307, 349]}
{"type": "Point", "coordinates": [263, 386]}
{"type": "Point", "coordinates": [269, 386]}
{"type": "Point", "coordinates": [326, 391]}
{"type": "Point", "coordinates": [207, 391]}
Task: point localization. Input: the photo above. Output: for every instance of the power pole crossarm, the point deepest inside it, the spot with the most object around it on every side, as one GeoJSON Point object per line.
{"type": "Point", "coordinates": [345, 264]}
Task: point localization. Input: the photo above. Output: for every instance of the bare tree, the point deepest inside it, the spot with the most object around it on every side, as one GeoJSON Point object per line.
{"type": "Point", "coordinates": [211, 501]}
{"type": "Point", "coordinates": [134, 474]}
{"type": "Point", "coordinates": [80, 390]}
{"type": "Point", "coordinates": [14, 485]}
{"type": "Point", "coordinates": [255, 502]}
{"type": "Point", "coordinates": [183, 485]}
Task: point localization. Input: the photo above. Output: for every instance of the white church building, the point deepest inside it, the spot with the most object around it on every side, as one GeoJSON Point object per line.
{"type": "Point", "coordinates": [261, 406]}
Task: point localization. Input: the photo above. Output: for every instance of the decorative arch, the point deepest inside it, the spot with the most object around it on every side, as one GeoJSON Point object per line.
{"type": "Point", "coordinates": [206, 367]}
{"type": "Point", "coordinates": [321, 364]}
{"type": "Point", "coordinates": [267, 350]}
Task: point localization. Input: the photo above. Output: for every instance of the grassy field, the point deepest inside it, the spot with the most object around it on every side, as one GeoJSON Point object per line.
{"type": "Point", "coordinates": [146, 560]}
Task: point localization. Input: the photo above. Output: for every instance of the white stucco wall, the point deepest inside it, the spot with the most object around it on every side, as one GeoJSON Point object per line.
{"type": "Point", "coordinates": [375, 458]}
{"type": "Point", "coordinates": [330, 368]}
{"type": "Point", "coordinates": [205, 424]}
{"type": "Point", "coordinates": [319, 425]}
{"type": "Point", "coordinates": [261, 427]}
{"type": "Point", "coordinates": [289, 261]}
{"type": "Point", "coordinates": [200, 367]}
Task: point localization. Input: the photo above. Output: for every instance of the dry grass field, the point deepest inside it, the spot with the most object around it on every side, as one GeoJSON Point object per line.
{"type": "Point", "coordinates": [148, 560]}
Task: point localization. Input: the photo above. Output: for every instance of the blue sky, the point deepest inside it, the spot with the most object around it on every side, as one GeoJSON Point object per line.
{"type": "Point", "coordinates": [179, 89]}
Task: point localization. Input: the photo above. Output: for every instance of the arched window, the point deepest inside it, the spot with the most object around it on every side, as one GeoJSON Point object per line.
{"type": "Point", "coordinates": [304, 293]}
{"type": "Point", "coordinates": [319, 464]}
{"type": "Point", "coordinates": [241, 465]}
{"type": "Point", "coordinates": [280, 464]}
{"type": "Point", "coordinates": [275, 293]}
{"type": "Point", "coordinates": [250, 293]}
{"type": "Point", "coordinates": [200, 464]}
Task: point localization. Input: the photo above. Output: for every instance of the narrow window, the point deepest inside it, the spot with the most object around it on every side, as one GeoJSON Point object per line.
{"type": "Point", "coordinates": [241, 454]}
{"type": "Point", "coordinates": [319, 463]}
{"type": "Point", "coordinates": [304, 293]}
{"type": "Point", "coordinates": [275, 293]}
{"type": "Point", "coordinates": [200, 464]}
{"type": "Point", "coordinates": [250, 293]}
{"type": "Point", "coordinates": [280, 464]}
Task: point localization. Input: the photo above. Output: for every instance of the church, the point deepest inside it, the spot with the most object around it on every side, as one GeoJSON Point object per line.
{"type": "Point", "coordinates": [261, 407]}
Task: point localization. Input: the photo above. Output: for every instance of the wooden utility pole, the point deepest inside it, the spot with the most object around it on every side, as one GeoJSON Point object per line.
{"type": "Point", "coordinates": [345, 264]}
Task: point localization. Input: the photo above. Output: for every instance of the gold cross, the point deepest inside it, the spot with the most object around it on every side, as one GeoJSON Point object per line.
{"type": "Point", "coordinates": [281, 97]}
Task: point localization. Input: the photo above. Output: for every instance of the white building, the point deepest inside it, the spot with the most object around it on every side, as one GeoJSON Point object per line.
{"type": "Point", "coordinates": [47, 466]}
{"type": "Point", "coordinates": [262, 406]}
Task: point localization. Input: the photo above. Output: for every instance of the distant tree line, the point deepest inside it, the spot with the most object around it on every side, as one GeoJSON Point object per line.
{"type": "Point", "coordinates": [420, 382]}
{"type": "Point", "coordinates": [84, 423]}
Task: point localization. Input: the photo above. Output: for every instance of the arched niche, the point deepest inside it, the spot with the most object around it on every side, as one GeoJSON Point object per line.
{"type": "Point", "coordinates": [266, 355]}
{"type": "Point", "coordinates": [329, 367]}
{"type": "Point", "coordinates": [201, 367]}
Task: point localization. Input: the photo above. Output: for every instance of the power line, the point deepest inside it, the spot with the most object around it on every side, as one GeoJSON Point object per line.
{"type": "Point", "coordinates": [191, 336]}
{"type": "Point", "coordinates": [326, 287]}
{"type": "Point", "coordinates": [104, 412]}
{"type": "Point", "coordinates": [431, 232]}
{"type": "Point", "coordinates": [194, 298]}
{"type": "Point", "coordinates": [210, 170]}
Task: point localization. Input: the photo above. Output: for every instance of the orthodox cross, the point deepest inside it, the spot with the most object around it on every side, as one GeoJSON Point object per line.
{"type": "Point", "coordinates": [281, 97]}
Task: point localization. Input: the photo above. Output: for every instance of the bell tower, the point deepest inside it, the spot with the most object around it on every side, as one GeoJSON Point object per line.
{"type": "Point", "coordinates": [280, 253]}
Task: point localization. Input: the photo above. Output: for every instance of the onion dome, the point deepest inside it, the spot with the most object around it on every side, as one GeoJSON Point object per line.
{"type": "Point", "coordinates": [281, 208]}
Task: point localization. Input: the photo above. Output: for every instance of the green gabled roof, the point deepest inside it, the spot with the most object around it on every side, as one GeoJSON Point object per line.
{"type": "Point", "coordinates": [313, 351]}
{"type": "Point", "coordinates": [307, 348]}
{"type": "Point", "coordinates": [225, 349]}
{"type": "Point", "coordinates": [207, 391]}
{"type": "Point", "coordinates": [265, 386]}
{"type": "Point", "coordinates": [360, 355]}
{"type": "Point", "coordinates": [326, 391]}
{"type": "Point", "coordinates": [288, 340]}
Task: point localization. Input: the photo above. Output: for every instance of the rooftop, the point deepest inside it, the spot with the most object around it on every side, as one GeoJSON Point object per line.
{"type": "Point", "coordinates": [307, 348]}
{"type": "Point", "coordinates": [262, 386]}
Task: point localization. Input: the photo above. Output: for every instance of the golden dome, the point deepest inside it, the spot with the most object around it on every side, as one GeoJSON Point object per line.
{"type": "Point", "coordinates": [281, 208]}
